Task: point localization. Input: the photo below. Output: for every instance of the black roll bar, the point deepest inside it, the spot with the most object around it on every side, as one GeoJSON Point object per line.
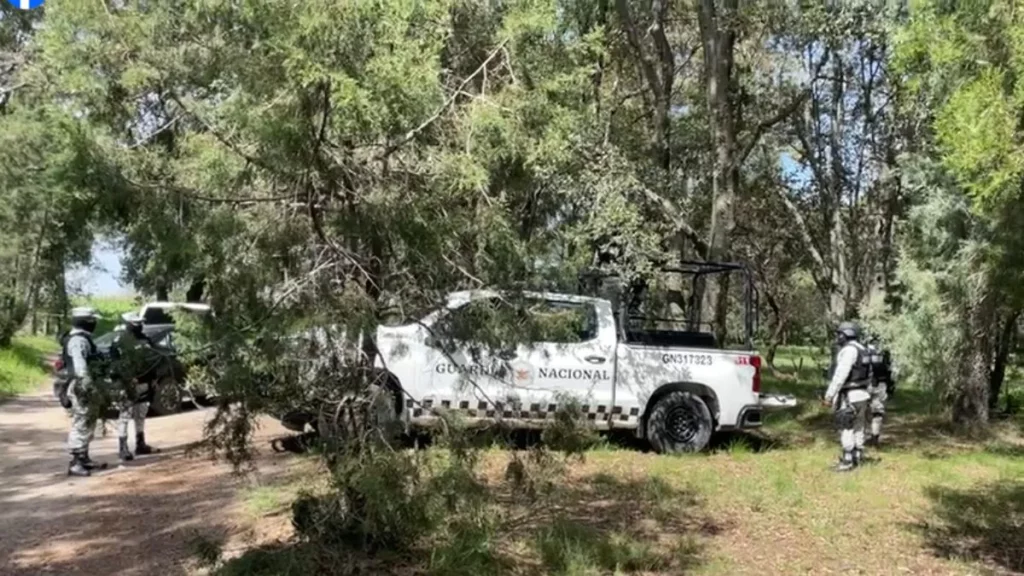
{"type": "Point", "coordinates": [698, 270]}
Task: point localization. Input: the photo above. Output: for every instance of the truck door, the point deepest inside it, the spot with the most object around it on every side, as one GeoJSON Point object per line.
{"type": "Point", "coordinates": [466, 375]}
{"type": "Point", "coordinates": [573, 357]}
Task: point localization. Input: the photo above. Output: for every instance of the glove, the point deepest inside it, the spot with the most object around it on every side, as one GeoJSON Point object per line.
{"type": "Point", "coordinates": [60, 390]}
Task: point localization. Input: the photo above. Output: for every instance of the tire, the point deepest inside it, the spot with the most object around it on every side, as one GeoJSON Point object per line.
{"type": "Point", "coordinates": [679, 423]}
{"type": "Point", "coordinates": [296, 420]}
{"type": "Point", "coordinates": [167, 397]}
{"type": "Point", "coordinates": [346, 421]}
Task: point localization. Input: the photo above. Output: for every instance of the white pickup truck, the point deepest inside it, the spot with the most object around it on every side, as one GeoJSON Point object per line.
{"type": "Point", "coordinates": [673, 388]}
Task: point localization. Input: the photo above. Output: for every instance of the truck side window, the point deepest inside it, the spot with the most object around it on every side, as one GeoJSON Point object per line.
{"type": "Point", "coordinates": [463, 324]}
{"type": "Point", "coordinates": [566, 322]}
{"type": "Point", "coordinates": [155, 316]}
{"type": "Point", "coordinates": [543, 321]}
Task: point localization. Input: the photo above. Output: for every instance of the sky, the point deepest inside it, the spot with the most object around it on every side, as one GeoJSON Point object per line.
{"type": "Point", "coordinates": [103, 277]}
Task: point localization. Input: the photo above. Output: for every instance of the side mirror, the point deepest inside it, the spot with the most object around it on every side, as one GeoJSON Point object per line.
{"type": "Point", "coordinates": [433, 342]}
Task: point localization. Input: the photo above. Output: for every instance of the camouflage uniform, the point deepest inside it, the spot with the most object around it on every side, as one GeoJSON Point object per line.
{"type": "Point", "coordinates": [133, 363]}
{"type": "Point", "coordinates": [78, 351]}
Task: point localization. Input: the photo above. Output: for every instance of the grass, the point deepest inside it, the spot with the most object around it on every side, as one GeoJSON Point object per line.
{"type": "Point", "coordinates": [932, 503]}
{"type": "Point", "coordinates": [110, 309]}
{"type": "Point", "coordinates": [22, 366]}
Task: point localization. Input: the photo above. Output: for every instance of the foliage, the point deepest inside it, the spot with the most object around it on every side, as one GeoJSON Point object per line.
{"type": "Point", "coordinates": [22, 366]}
{"type": "Point", "coordinates": [964, 63]}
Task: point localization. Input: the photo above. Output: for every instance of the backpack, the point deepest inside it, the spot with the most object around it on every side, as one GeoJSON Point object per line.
{"type": "Point", "coordinates": [66, 374]}
{"type": "Point", "coordinates": [881, 367]}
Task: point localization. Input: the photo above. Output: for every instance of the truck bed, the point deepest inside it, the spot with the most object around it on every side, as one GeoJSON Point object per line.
{"type": "Point", "coordinates": [672, 339]}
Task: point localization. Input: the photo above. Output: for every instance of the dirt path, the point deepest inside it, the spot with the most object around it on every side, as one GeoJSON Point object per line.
{"type": "Point", "coordinates": [134, 519]}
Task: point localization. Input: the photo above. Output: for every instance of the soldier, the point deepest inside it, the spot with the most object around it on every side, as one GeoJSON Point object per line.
{"type": "Point", "coordinates": [79, 351]}
{"type": "Point", "coordinates": [134, 366]}
{"type": "Point", "coordinates": [848, 395]}
{"type": "Point", "coordinates": [881, 388]}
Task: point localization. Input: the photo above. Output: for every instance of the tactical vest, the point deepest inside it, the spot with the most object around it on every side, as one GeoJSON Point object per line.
{"type": "Point", "coordinates": [66, 358]}
{"type": "Point", "coordinates": [881, 365]}
{"type": "Point", "coordinates": [861, 373]}
{"type": "Point", "coordinates": [62, 382]}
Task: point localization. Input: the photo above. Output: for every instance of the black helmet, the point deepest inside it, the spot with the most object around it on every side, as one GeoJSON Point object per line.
{"type": "Point", "coordinates": [84, 318]}
{"type": "Point", "coordinates": [849, 330]}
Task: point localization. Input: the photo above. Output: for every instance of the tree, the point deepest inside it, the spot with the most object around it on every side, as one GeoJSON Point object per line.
{"type": "Point", "coordinates": [964, 63]}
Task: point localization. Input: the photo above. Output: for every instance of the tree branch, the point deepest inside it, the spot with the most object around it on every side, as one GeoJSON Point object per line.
{"type": "Point", "coordinates": [805, 235]}
{"type": "Point", "coordinates": [784, 112]}
{"type": "Point", "coordinates": [675, 215]}
{"type": "Point", "coordinates": [225, 140]}
{"type": "Point", "coordinates": [391, 148]}
{"type": "Point", "coordinates": [646, 63]}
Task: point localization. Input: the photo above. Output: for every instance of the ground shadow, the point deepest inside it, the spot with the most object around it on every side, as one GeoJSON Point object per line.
{"type": "Point", "coordinates": [110, 528]}
{"type": "Point", "coordinates": [753, 441]}
{"type": "Point", "coordinates": [983, 524]}
{"type": "Point", "coordinates": [749, 441]}
{"type": "Point", "coordinates": [595, 524]}
{"type": "Point", "coordinates": [617, 525]}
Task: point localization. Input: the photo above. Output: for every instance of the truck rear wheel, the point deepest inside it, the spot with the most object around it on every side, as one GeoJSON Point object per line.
{"type": "Point", "coordinates": [680, 422]}
{"type": "Point", "coordinates": [167, 397]}
{"type": "Point", "coordinates": [348, 420]}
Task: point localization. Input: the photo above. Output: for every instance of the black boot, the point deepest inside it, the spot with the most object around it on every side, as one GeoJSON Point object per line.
{"type": "Point", "coordinates": [141, 447]}
{"type": "Point", "coordinates": [77, 467]}
{"type": "Point", "coordinates": [846, 462]}
{"type": "Point", "coordinates": [123, 451]}
{"type": "Point", "coordinates": [90, 464]}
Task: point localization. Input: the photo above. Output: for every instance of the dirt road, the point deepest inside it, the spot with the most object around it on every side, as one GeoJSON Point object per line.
{"type": "Point", "coordinates": [133, 519]}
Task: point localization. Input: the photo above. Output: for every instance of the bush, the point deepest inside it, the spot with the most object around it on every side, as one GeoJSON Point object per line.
{"type": "Point", "coordinates": [390, 502]}
{"type": "Point", "coordinates": [924, 336]}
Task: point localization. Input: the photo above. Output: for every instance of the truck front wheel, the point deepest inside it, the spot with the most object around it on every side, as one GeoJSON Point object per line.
{"type": "Point", "coordinates": [167, 397]}
{"type": "Point", "coordinates": [680, 422]}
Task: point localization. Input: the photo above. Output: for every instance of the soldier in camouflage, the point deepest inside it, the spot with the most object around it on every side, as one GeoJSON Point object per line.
{"type": "Point", "coordinates": [133, 367]}
{"type": "Point", "coordinates": [848, 394]}
{"type": "Point", "coordinates": [79, 351]}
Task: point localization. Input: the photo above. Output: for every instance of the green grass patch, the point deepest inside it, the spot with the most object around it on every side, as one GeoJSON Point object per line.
{"type": "Point", "coordinates": [22, 366]}
{"type": "Point", "coordinates": [268, 500]}
{"type": "Point", "coordinates": [110, 309]}
{"type": "Point", "coordinates": [570, 548]}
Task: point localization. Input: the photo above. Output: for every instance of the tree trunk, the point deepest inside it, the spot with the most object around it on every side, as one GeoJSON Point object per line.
{"type": "Point", "coordinates": [196, 289]}
{"type": "Point", "coordinates": [718, 40]}
{"type": "Point", "coordinates": [841, 292]}
{"type": "Point", "coordinates": [971, 393]}
{"type": "Point", "coordinates": [998, 373]}
{"type": "Point", "coordinates": [778, 331]}
{"type": "Point", "coordinates": [162, 293]}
